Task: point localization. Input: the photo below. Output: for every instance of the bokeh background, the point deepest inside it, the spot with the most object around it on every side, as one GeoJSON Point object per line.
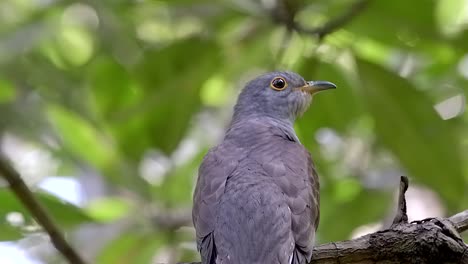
{"type": "Point", "coordinates": [107, 108]}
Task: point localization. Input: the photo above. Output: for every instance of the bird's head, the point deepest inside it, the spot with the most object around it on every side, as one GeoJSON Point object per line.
{"type": "Point", "coordinates": [281, 95]}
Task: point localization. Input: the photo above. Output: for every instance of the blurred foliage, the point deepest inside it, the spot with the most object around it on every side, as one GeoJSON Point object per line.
{"type": "Point", "coordinates": [109, 86]}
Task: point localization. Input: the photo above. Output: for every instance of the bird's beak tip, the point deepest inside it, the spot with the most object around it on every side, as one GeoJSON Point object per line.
{"type": "Point", "coordinates": [322, 84]}
{"type": "Point", "coordinates": [317, 86]}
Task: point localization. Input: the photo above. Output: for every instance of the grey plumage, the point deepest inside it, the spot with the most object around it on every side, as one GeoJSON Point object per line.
{"type": "Point", "coordinates": [257, 194]}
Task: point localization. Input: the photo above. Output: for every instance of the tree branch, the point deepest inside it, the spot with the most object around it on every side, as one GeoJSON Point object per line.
{"type": "Point", "coordinates": [39, 213]}
{"type": "Point", "coordinates": [334, 24]}
{"type": "Point", "coordinates": [421, 242]}
{"type": "Point", "coordinates": [460, 221]}
{"type": "Point", "coordinates": [425, 242]}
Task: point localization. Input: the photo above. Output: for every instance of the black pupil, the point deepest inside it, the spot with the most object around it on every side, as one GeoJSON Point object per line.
{"type": "Point", "coordinates": [279, 83]}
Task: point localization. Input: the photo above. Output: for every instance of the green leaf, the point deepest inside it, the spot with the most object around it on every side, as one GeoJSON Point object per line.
{"type": "Point", "coordinates": [116, 249]}
{"type": "Point", "coordinates": [9, 232]}
{"type": "Point", "coordinates": [214, 91]}
{"type": "Point", "coordinates": [112, 88]}
{"type": "Point", "coordinates": [171, 78]}
{"type": "Point", "coordinates": [450, 16]}
{"type": "Point", "coordinates": [65, 214]}
{"type": "Point", "coordinates": [408, 125]}
{"type": "Point", "coordinates": [7, 92]}
{"type": "Point", "coordinates": [108, 209]}
{"type": "Point", "coordinates": [340, 217]}
{"type": "Point", "coordinates": [80, 137]}
{"type": "Point", "coordinates": [131, 247]}
{"type": "Point", "coordinates": [397, 23]}
{"type": "Point", "coordinates": [77, 39]}
{"type": "Point", "coordinates": [177, 186]}
{"type": "Point", "coordinates": [249, 51]}
{"type": "Point", "coordinates": [336, 109]}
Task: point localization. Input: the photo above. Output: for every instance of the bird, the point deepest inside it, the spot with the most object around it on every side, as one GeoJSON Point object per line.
{"type": "Point", "coordinates": [256, 199]}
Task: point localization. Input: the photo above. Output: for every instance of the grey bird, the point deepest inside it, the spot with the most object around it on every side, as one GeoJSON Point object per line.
{"type": "Point", "coordinates": [257, 195]}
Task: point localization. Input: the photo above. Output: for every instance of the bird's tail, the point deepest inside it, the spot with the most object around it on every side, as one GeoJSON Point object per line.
{"type": "Point", "coordinates": [208, 250]}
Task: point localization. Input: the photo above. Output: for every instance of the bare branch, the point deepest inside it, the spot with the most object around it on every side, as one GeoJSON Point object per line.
{"type": "Point", "coordinates": [427, 241]}
{"type": "Point", "coordinates": [39, 213]}
{"type": "Point", "coordinates": [421, 243]}
{"type": "Point", "coordinates": [460, 221]}
{"type": "Point", "coordinates": [172, 219]}
{"type": "Point", "coordinates": [334, 24]}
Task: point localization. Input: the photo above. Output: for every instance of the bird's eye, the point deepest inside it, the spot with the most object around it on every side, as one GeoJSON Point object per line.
{"type": "Point", "coordinates": [278, 84]}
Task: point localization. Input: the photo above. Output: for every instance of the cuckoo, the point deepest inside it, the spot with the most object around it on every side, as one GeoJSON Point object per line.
{"type": "Point", "coordinates": [257, 195]}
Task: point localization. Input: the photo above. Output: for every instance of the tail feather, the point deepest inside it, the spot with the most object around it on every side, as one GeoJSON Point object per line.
{"type": "Point", "coordinates": [299, 257]}
{"type": "Point", "coordinates": [208, 250]}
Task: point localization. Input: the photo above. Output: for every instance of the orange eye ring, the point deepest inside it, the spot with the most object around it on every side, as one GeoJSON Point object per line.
{"type": "Point", "coordinates": [278, 84]}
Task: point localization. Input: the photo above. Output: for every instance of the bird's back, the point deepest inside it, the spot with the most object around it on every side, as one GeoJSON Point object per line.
{"type": "Point", "coordinates": [253, 221]}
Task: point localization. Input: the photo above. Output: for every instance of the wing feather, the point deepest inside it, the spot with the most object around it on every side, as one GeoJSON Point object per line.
{"type": "Point", "coordinates": [300, 185]}
{"type": "Point", "coordinates": [213, 173]}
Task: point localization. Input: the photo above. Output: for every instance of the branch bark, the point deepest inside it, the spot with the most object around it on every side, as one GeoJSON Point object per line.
{"type": "Point", "coordinates": [460, 221]}
{"type": "Point", "coordinates": [27, 198]}
{"type": "Point", "coordinates": [425, 242]}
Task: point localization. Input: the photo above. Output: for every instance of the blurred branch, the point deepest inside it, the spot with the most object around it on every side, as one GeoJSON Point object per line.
{"type": "Point", "coordinates": [334, 24]}
{"type": "Point", "coordinates": [427, 241]}
{"type": "Point", "coordinates": [39, 213]}
{"type": "Point", "coordinates": [173, 219]}
{"type": "Point", "coordinates": [460, 221]}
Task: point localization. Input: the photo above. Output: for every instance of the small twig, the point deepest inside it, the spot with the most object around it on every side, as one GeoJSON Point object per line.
{"type": "Point", "coordinates": [39, 213]}
{"type": "Point", "coordinates": [334, 24]}
{"type": "Point", "coordinates": [401, 216]}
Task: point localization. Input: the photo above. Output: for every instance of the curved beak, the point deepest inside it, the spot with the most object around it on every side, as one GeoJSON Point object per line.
{"type": "Point", "coordinates": [313, 87]}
